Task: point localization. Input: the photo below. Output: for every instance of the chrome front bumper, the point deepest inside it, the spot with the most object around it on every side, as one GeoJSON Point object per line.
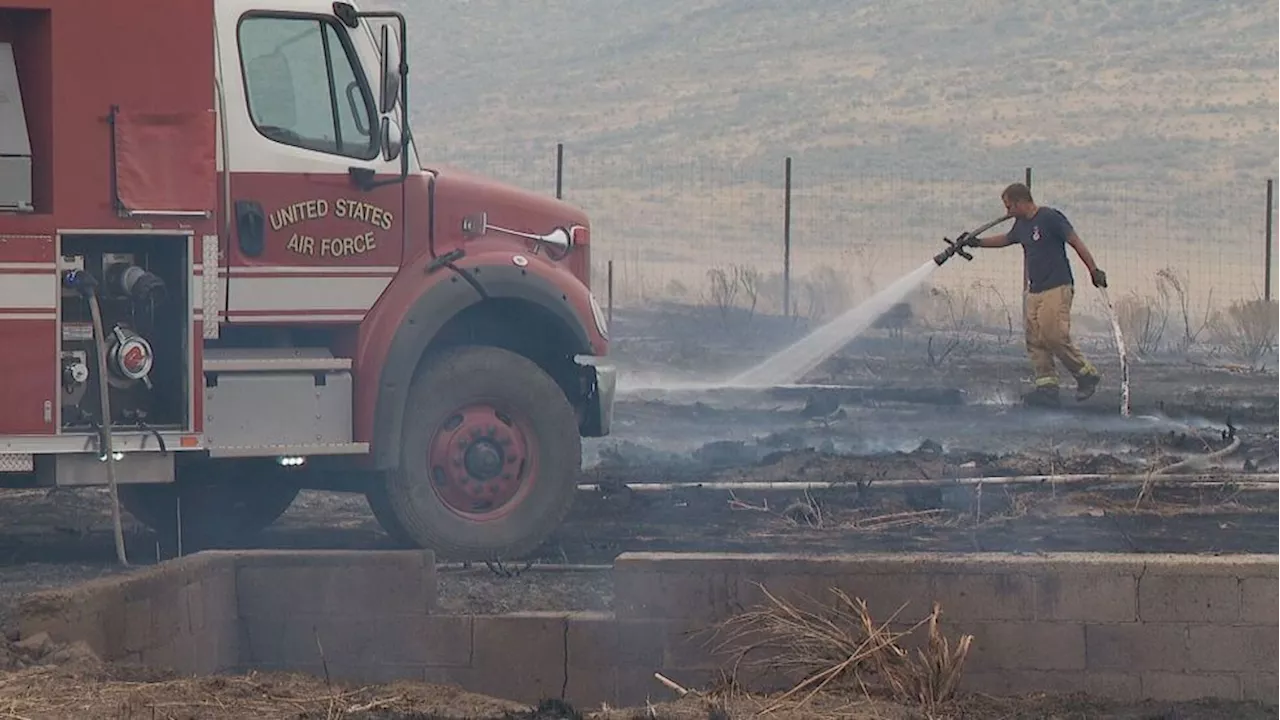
{"type": "Point", "coordinates": [601, 389]}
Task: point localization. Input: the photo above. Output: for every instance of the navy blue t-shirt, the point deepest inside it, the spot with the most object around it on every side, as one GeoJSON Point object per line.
{"type": "Point", "coordinates": [1044, 247]}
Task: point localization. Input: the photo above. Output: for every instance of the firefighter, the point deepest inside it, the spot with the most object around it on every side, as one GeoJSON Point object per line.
{"type": "Point", "coordinates": [1044, 234]}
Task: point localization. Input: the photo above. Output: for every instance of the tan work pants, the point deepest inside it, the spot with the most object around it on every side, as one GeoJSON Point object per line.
{"type": "Point", "coordinates": [1048, 326]}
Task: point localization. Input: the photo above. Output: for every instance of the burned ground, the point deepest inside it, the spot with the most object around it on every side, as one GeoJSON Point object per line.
{"type": "Point", "coordinates": [904, 419]}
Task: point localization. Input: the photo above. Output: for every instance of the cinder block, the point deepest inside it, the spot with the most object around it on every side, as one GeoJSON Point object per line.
{"type": "Point", "coordinates": [1259, 599]}
{"type": "Point", "coordinates": [218, 597]}
{"type": "Point", "coordinates": [676, 596]}
{"type": "Point", "coordinates": [137, 625]}
{"type": "Point", "coordinates": [111, 621]}
{"type": "Point", "coordinates": [984, 597]}
{"type": "Point", "coordinates": [168, 611]}
{"type": "Point", "coordinates": [520, 656]}
{"type": "Point", "coordinates": [593, 659]}
{"type": "Point", "coordinates": [1261, 687]}
{"type": "Point", "coordinates": [594, 690]}
{"type": "Point", "coordinates": [1189, 598]}
{"type": "Point", "coordinates": [1135, 647]}
{"type": "Point", "coordinates": [591, 641]}
{"type": "Point", "coordinates": [166, 655]}
{"type": "Point", "coordinates": [335, 583]}
{"type": "Point", "coordinates": [693, 647]}
{"type": "Point", "coordinates": [193, 594]}
{"type": "Point", "coordinates": [1098, 597]}
{"type": "Point", "coordinates": [1025, 645]}
{"type": "Point", "coordinates": [908, 595]}
{"type": "Point", "coordinates": [1112, 685]}
{"type": "Point", "coordinates": [447, 640]}
{"type": "Point", "coordinates": [353, 640]}
{"type": "Point", "coordinates": [1239, 648]}
{"type": "Point", "coordinates": [222, 647]}
{"type": "Point", "coordinates": [1189, 686]}
{"type": "Point", "coordinates": [642, 643]}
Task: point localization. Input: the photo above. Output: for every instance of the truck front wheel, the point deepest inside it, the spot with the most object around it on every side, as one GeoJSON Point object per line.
{"type": "Point", "coordinates": [489, 460]}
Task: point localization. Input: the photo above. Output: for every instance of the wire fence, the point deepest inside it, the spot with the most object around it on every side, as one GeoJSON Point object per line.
{"type": "Point", "coordinates": [676, 229]}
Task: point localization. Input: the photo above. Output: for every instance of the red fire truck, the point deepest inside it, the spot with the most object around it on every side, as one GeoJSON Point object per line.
{"type": "Point", "coordinates": [226, 275]}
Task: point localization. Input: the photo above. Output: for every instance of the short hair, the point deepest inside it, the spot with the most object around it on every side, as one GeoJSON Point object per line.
{"type": "Point", "coordinates": [1017, 192]}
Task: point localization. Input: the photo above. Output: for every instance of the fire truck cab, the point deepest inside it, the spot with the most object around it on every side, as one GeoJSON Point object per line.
{"type": "Point", "coordinates": [226, 276]}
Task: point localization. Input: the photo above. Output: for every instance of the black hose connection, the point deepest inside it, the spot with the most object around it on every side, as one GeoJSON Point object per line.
{"type": "Point", "coordinates": [87, 285]}
{"type": "Point", "coordinates": [957, 246]}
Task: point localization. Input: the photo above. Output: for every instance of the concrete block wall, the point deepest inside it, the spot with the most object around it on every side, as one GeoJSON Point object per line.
{"type": "Point", "coordinates": [1127, 627]}
{"type": "Point", "coordinates": [364, 615]}
{"type": "Point", "coordinates": [1130, 627]}
{"type": "Point", "coordinates": [181, 614]}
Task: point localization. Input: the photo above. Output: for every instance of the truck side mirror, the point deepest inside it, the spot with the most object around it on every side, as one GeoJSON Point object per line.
{"type": "Point", "coordinates": [388, 72]}
{"type": "Point", "coordinates": [392, 139]}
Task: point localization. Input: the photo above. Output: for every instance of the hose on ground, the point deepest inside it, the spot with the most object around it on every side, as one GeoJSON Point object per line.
{"type": "Point", "coordinates": [1197, 459]}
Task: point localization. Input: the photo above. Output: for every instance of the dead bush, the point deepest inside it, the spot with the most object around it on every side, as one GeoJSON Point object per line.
{"type": "Point", "coordinates": [1143, 319]}
{"type": "Point", "coordinates": [1176, 286]}
{"type": "Point", "coordinates": [723, 291]}
{"type": "Point", "coordinates": [824, 293]}
{"type": "Point", "coordinates": [954, 316]}
{"type": "Point", "coordinates": [1249, 330]}
{"type": "Point", "coordinates": [749, 279]}
{"type": "Point", "coordinates": [840, 645]}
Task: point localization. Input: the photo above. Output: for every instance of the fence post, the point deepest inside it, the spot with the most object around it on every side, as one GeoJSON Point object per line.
{"type": "Point", "coordinates": [786, 242]}
{"type": "Point", "coordinates": [1266, 288]}
{"type": "Point", "coordinates": [559, 170]}
{"type": "Point", "coordinates": [1026, 279]}
{"type": "Point", "coordinates": [609, 294]}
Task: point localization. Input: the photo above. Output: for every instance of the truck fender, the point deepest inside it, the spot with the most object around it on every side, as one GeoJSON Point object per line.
{"type": "Point", "coordinates": [428, 315]}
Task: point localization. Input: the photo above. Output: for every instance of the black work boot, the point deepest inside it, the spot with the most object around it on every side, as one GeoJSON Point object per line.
{"type": "Point", "coordinates": [1043, 396]}
{"type": "Point", "coordinates": [1086, 385]}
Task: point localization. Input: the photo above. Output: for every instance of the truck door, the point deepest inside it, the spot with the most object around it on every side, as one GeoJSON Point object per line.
{"type": "Point", "coordinates": [306, 243]}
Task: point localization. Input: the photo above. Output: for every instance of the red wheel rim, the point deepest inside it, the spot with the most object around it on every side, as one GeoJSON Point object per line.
{"type": "Point", "coordinates": [482, 462]}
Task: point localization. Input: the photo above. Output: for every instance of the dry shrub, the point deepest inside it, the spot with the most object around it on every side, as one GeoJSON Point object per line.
{"type": "Point", "coordinates": [1142, 320]}
{"type": "Point", "coordinates": [841, 646]}
{"type": "Point", "coordinates": [821, 295]}
{"type": "Point", "coordinates": [723, 290]}
{"type": "Point", "coordinates": [1249, 330]}
{"type": "Point", "coordinates": [1177, 286]}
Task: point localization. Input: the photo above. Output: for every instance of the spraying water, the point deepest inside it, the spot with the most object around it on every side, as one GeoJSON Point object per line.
{"type": "Point", "coordinates": [1124, 356]}
{"type": "Point", "coordinates": [792, 363]}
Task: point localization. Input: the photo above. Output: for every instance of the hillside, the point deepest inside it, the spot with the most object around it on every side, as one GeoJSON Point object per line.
{"type": "Point", "coordinates": [1153, 123]}
{"type": "Point", "coordinates": [1137, 90]}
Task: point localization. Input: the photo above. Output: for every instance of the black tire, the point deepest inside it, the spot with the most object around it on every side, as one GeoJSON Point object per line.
{"type": "Point", "coordinates": [380, 506]}
{"type": "Point", "coordinates": [475, 412]}
{"type": "Point", "coordinates": [221, 507]}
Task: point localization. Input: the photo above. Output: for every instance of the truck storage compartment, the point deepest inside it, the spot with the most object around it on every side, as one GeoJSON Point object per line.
{"type": "Point", "coordinates": [286, 402]}
{"type": "Point", "coordinates": [26, 104]}
{"type": "Point", "coordinates": [15, 143]}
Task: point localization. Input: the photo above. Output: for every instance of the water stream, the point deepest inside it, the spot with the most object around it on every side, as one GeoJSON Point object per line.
{"type": "Point", "coordinates": [791, 363]}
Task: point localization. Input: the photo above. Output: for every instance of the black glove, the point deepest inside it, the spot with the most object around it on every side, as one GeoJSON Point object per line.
{"type": "Point", "coordinates": [1099, 278]}
{"type": "Point", "coordinates": [967, 240]}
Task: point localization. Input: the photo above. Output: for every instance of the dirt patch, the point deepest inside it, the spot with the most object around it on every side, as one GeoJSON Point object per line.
{"type": "Point", "coordinates": [91, 689]}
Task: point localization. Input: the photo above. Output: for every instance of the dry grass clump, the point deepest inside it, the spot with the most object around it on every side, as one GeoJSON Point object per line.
{"type": "Point", "coordinates": [841, 646]}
